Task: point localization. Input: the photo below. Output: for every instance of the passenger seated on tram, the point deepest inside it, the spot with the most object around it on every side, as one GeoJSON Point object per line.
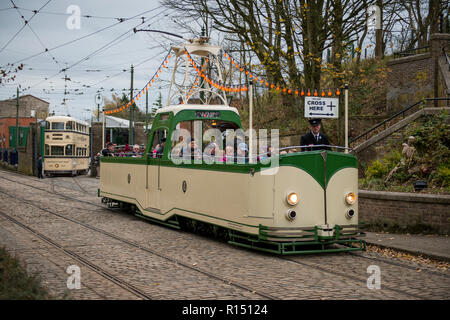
{"type": "Point", "coordinates": [136, 151]}
{"type": "Point", "coordinates": [210, 152]}
{"type": "Point", "coordinates": [108, 151]}
{"type": "Point", "coordinates": [242, 153]}
{"type": "Point", "coordinates": [191, 151]}
{"type": "Point", "coordinates": [160, 148]}
{"type": "Point", "coordinates": [229, 154]}
{"type": "Point", "coordinates": [120, 152]}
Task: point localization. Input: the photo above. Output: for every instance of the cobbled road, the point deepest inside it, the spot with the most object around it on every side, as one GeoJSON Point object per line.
{"type": "Point", "coordinates": [58, 222]}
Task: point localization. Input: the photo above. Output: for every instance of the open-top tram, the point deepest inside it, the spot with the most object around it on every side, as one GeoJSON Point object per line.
{"type": "Point", "coordinates": [300, 202]}
{"type": "Point", "coordinates": [66, 149]}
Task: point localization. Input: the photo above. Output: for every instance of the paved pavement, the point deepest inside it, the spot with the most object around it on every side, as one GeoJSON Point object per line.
{"type": "Point", "coordinates": [432, 246]}
{"type": "Point", "coordinates": [53, 223]}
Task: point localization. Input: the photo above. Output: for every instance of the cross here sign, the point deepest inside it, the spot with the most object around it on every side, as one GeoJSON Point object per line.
{"type": "Point", "coordinates": [318, 107]}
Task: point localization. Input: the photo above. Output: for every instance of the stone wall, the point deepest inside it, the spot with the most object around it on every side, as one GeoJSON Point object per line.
{"type": "Point", "coordinates": [26, 104]}
{"type": "Point", "coordinates": [405, 209]}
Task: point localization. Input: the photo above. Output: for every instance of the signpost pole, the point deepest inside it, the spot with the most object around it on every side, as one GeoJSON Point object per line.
{"type": "Point", "coordinates": [103, 130]}
{"type": "Point", "coordinates": [346, 117]}
{"type": "Point", "coordinates": [250, 124]}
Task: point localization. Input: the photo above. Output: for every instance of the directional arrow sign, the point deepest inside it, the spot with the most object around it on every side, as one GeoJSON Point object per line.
{"type": "Point", "coordinates": [318, 107]}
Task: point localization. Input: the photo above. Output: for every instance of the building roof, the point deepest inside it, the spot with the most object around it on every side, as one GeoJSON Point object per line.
{"type": "Point", "coordinates": [27, 95]}
{"type": "Point", "coordinates": [113, 122]}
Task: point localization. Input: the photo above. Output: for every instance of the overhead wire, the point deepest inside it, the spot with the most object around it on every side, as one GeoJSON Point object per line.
{"type": "Point", "coordinates": [35, 34]}
{"type": "Point", "coordinates": [26, 22]}
{"type": "Point", "coordinates": [83, 37]}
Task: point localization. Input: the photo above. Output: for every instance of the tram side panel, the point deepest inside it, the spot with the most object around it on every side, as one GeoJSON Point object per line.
{"type": "Point", "coordinates": [217, 197]}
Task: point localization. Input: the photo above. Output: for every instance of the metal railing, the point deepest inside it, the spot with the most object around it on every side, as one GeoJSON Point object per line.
{"type": "Point", "coordinates": [447, 59]}
{"type": "Point", "coordinates": [412, 52]}
{"type": "Point", "coordinates": [402, 113]}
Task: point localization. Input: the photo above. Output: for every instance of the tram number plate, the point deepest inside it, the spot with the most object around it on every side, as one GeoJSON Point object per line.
{"type": "Point", "coordinates": [207, 114]}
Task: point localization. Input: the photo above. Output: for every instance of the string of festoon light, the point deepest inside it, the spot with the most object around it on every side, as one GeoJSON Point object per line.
{"type": "Point", "coordinates": [147, 87]}
{"type": "Point", "coordinates": [218, 84]}
{"type": "Point", "coordinates": [264, 83]}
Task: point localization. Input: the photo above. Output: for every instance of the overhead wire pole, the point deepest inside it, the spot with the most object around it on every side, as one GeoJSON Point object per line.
{"type": "Point", "coordinates": [131, 130]}
{"type": "Point", "coordinates": [17, 119]}
{"type": "Point", "coordinates": [146, 111]}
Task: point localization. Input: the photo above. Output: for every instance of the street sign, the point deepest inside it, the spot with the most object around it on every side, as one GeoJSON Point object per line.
{"type": "Point", "coordinates": [318, 107]}
{"type": "Point", "coordinates": [98, 98]}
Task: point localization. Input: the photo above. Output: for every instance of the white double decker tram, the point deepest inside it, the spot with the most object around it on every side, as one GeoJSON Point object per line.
{"type": "Point", "coordinates": [66, 148]}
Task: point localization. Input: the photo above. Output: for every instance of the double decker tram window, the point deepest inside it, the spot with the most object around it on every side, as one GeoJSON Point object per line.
{"type": "Point", "coordinates": [47, 150]}
{"type": "Point", "coordinates": [57, 150]}
{"type": "Point", "coordinates": [57, 125]}
{"type": "Point", "coordinates": [69, 150]}
{"type": "Point", "coordinates": [69, 125]}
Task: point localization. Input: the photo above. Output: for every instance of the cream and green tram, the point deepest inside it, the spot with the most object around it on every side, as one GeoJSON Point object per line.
{"type": "Point", "coordinates": [300, 202]}
{"type": "Point", "coordinates": [66, 146]}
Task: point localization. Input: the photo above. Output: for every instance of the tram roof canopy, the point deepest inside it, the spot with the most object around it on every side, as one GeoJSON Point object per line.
{"type": "Point", "coordinates": [198, 47]}
{"type": "Point", "coordinates": [64, 119]}
{"type": "Point", "coordinates": [201, 107]}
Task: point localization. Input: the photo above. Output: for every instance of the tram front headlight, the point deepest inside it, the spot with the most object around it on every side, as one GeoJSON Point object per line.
{"type": "Point", "coordinates": [350, 198]}
{"type": "Point", "coordinates": [292, 198]}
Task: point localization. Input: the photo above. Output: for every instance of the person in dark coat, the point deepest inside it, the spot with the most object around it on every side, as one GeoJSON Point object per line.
{"type": "Point", "coordinates": [39, 167]}
{"type": "Point", "coordinates": [314, 137]}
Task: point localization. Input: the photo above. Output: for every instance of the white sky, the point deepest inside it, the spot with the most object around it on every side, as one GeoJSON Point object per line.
{"type": "Point", "coordinates": [51, 28]}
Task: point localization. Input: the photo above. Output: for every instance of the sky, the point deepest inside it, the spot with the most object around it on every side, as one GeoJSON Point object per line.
{"type": "Point", "coordinates": [103, 70]}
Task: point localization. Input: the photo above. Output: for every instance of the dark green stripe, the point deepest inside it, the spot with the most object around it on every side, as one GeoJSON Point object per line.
{"type": "Point", "coordinates": [310, 162]}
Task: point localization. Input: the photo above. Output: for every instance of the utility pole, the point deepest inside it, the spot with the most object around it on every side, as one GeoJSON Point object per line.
{"type": "Point", "coordinates": [131, 131]}
{"type": "Point", "coordinates": [146, 111]}
{"type": "Point", "coordinates": [202, 86]}
{"type": "Point", "coordinates": [17, 119]}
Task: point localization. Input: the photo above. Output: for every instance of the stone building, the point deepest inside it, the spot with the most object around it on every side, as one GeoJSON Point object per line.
{"type": "Point", "coordinates": [8, 112]}
{"type": "Point", "coordinates": [26, 104]}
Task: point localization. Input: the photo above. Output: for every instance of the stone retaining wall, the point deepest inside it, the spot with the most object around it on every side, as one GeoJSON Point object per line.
{"type": "Point", "coordinates": [405, 209]}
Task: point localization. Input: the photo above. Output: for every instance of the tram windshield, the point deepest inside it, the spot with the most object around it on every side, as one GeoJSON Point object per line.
{"type": "Point", "coordinates": [57, 125]}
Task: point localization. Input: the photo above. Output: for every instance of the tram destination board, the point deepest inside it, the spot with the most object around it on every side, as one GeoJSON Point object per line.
{"type": "Point", "coordinates": [207, 114]}
{"type": "Point", "coordinates": [318, 107]}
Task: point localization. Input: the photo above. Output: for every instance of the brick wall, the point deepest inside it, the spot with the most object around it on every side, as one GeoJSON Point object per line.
{"type": "Point", "coordinates": [5, 123]}
{"type": "Point", "coordinates": [415, 77]}
{"type": "Point", "coordinates": [410, 79]}
{"type": "Point", "coordinates": [405, 209]}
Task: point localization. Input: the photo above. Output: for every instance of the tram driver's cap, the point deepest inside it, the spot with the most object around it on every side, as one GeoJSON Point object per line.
{"type": "Point", "coordinates": [315, 122]}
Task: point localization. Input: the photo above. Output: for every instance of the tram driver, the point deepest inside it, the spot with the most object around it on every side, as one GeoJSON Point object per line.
{"type": "Point", "coordinates": [314, 137]}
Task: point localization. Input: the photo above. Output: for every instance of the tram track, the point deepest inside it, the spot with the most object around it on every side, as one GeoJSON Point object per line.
{"type": "Point", "coordinates": [323, 269]}
{"type": "Point", "coordinates": [353, 278]}
{"type": "Point", "coordinates": [131, 243]}
{"type": "Point", "coordinates": [359, 254]}
{"type": "Point", "coordinates": [82, 260]}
